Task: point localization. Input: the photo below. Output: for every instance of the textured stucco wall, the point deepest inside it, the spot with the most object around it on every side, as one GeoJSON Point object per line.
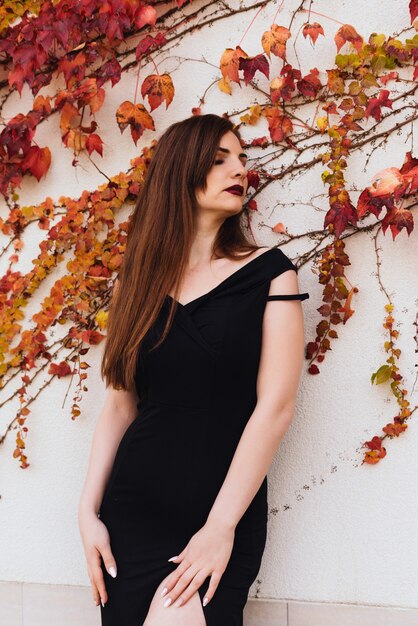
{"type": "Point", "coordinates": [338, 531]}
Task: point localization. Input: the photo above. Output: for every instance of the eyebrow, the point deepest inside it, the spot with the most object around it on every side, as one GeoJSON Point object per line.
{"type": "Point", "coordinates": [226, 151]}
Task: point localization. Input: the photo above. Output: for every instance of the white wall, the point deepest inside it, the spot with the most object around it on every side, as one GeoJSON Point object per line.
{"type": "Point", "coordinates": [339, 531]}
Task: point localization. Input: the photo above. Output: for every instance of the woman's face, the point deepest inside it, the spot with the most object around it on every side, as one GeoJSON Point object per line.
{"type": "Point", "coordinates": [228, 169]}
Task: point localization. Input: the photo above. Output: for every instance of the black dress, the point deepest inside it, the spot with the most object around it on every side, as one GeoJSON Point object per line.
{"type": "Point", "coordinates": [197, 391]}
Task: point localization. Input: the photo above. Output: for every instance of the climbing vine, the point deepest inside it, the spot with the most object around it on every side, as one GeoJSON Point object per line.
{"type": "Point", "coordinates": [359, 104]}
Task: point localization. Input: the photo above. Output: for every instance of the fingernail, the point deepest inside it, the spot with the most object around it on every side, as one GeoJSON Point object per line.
{"type": "Point", "coordinates": [102, 603]}
{"type": "Point", "coordinates": [167, 602]}
{"type": "Point", "coordinates": [173, 557]}
{"type": "Point", "coordinates": [164, 591]}
{"type": "Point", "coordinates": [179, 602]}
{"type": "Point", "coordinates": [205, 601]}
{"type": "Point", "coordinates": [112, 571]}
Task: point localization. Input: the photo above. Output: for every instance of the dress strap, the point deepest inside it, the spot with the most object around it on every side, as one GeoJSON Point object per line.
{"type": "Point", "coordinates": [293, 296]}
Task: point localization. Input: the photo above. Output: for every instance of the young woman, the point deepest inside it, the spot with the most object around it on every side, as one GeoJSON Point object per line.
{"type": "Point", "coordinates": [202, 377]}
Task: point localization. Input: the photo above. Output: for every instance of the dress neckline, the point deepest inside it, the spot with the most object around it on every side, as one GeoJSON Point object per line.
{"type": "Point", "coordinates": [223, 282]}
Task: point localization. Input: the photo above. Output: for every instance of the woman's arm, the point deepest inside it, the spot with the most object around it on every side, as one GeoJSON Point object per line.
{"type": "Point", "coordinates": [117, 414]}
{"type": "Point", "coordinates": [281, 360]}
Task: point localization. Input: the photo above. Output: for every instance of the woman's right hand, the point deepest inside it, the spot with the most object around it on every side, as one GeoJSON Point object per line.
{"type": "Point", "coordinates": [96, 542]}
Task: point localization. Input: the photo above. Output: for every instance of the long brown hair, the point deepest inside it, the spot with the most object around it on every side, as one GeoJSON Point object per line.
{"type": "Point", "coordinates": [160, 233]}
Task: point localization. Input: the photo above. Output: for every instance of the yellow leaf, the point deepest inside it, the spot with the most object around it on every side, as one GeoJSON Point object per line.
{"type": "Point", "coordinates": [101, 319]}
{"type": "Point", "coordinates": [322, 123]}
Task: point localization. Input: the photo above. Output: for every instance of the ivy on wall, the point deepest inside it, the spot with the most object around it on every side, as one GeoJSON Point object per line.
{"type": "Point", "coordinates": [359, 104]}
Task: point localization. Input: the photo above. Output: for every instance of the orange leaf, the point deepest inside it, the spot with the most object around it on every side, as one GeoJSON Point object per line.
{"type": "Point", "coordinates": [274, 40]}
{"type": "Point", "coordinates": [279, 228]}
{"type": "Point", "coordinates": [68, 113]}
{"type": "Point", "coordinates": [42, 104]}
{"type": "Point", "coordinates": [136, 116]}
{"type": "Point", "coordinates": [348, 33]}
{"type": "Point", "coordinates": [158, 88]}
{"type": "Point", "coordinates": [313, 31]}
{"type": "Point", "coordinates": [229, 63]}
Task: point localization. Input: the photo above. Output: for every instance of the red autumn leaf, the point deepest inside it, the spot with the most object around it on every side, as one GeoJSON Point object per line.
{"type": "Point", "coordinates": [371, 204]}
{"type": "Point", "coordinates": [279, 125]}
{"type": "Point", "coordinates": [94, 142]}
{"type": "Point", "coordinates": [313, 31]}
{"type": "Point", "coordinates": [251, 64]}
{"type": "Point", "coordinates": [386, 182]}
{"type": "Point", "coordinates": [409, 170]}
{"type": "Point", "coordinates": [253, 179]}
{"type": "Point", "coordinates": [158, 88]}
{"type": "Point", "coordinates": [74, 69]}
{"type": "Point", "coordinates": [148, 43]}
{"type": "Point", "coordinates": [260, 141]}
{"type": "Point", "coordinates": [274, 40]}
{"type": "Point", "coordinates": [397, 220]}
{"type": "Point", "coordinates": [330, 108]}
{"type": "Point", "coordinates": [145, 15]}
{"type": "Point", "coordinates": [310, 84]}
{"type": "Point", "coordinates": [394, 430]}
{"type": "Point", "coordinates": [375, 104]}
{"type": "Point", "coordinates": [37, 161]}
{"type": "Point", "coordinates": [111, 70]}
{"type": "Point", "coordinates": [348, 33]}
{"type": "Point", "coordinates": [114, 29]}
{"type": "Point", "coordinates": [374, 444]}
{"type": "Point", "coordinates": [388, 77]}
{"type": "Point", "coordinates": [16, 77]}
{"type": "Point", "coordinates": [136, 116]}
{"type": "Point", "coordinates": [59, 369]}
{"type": "Point", "coordinates": [413, 9]}
{"type": "Point", "coordinates": [92, 337]}
{"type": "Point", "coordinates": [340, 215]}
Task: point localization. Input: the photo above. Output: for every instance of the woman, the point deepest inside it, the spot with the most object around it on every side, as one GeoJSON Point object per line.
{"type": "Point", "coordinates": [202, 379]}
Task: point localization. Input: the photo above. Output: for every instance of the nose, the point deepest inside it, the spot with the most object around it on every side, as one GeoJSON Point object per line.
{"type": "Point", "coordinates": [241, 171]}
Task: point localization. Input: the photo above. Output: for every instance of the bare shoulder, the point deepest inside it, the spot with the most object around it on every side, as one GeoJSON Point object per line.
{"type": "Point", "coordinates": [284, 284]}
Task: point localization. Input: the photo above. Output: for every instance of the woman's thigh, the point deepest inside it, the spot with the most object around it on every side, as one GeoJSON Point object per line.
{"type": "Point", "coordinates": [191, 614]}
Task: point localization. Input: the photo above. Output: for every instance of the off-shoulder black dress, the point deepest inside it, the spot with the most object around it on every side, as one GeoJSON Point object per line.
{"type": "Point", "coordinates": [197, 391]}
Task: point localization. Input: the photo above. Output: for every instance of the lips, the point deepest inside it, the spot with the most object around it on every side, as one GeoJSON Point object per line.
{"type": "Point", "coordinates": [237, 190]}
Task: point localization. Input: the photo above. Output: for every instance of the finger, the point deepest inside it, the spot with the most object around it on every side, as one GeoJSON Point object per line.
{"type": "Point", "coordinates": [98, 577]}
{"type": "Point", "coordinates": [109, 560]}
{"type": "Point", "coordinates": [95, 591]}
{"type": "Point", "coordinates": [179, 557]}
{"type": "Point", "coordinates": [197, 582]}
{"type": "Point", "coordinates": [214, 582]}
{"type": "Point", "coordinates": [179, 587]}
{"type": "Point", "coordinates": [172, 580]}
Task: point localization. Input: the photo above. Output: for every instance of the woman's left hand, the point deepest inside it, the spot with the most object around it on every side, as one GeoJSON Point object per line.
{"type": "Point", "coordinates": [206, 554]}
